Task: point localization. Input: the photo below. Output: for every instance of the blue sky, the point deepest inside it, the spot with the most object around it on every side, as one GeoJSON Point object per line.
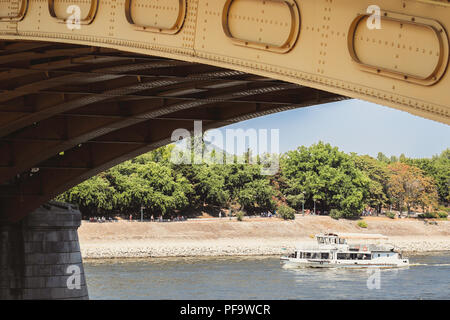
{"type": "Point", "coordinates": [356, 126]}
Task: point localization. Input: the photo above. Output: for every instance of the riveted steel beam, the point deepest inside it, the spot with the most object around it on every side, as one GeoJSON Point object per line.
{"type": "Point", "coordinates": [61, 172]}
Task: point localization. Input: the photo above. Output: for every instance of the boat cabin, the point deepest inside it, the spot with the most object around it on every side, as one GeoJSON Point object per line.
{"type": "Point", "coordinates": [330, 238]}
{"type": "Point", "coordinates": [343, 255]}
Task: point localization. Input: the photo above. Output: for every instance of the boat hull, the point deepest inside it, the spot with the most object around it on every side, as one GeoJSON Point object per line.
{"type": "Point", "coordinates": [291, 263]}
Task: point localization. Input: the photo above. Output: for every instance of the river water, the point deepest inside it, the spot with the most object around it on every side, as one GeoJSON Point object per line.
{"type": "Point", "coordinates": [263, 278]}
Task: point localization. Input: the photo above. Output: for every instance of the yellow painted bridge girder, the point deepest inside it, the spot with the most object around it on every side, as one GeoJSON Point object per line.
{"type": "Point", "coordinates": [331, 45]}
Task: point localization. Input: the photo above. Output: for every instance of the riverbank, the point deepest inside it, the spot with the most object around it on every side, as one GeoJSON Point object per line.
{"type": "Point", "coordinates": [256, 236]}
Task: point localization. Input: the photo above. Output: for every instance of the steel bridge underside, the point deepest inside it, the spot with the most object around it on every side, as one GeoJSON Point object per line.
{"type": "Point", "coordinates": [68, 112]}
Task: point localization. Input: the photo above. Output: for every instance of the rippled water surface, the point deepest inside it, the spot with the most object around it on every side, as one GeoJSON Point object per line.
{"type": "Point", "coordinates": [263, 278]}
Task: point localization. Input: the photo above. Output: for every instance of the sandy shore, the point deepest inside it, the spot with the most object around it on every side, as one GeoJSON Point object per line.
{"type": "Point", "coordinates": [255, 236]}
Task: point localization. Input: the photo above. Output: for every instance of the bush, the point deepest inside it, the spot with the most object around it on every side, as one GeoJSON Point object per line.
{"type": "Point", "coordinates": [442, 214]}
{"type": "Point", "coordinates": [240, 215]}
{"type": "Point", "coordinates": [286, 212]}
{"type": "Point", "coordinates": [362, 224]}
{"type": "Point", "coordinates": [428, 215]}
{"type": "Point", "coordinates": [335, 214]}
{"type": "Point", "coordinates": [390, 215]}
{"type": "Point", "coordinates": [444, 208]}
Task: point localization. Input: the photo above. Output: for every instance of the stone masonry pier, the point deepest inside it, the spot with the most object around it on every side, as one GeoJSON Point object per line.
{"type": "Point", "coordinates": [40, 256]}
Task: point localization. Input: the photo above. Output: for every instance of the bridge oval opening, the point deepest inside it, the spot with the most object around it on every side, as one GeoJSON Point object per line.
{"type": "Point", "coordinates": [13, 10]}
{"type": "Point", "coordinates": [63, 10]}
{"type": "Point", "coordinates": [272, 25]}
{"type": "Point", "coordinates": [407, 48]}
{"type": "Point", "coordinates": [156, 16]}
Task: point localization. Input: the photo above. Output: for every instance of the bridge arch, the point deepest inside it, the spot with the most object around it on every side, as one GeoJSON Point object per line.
{"type": "Point", "coordinates": [77, 100]}
{"type": "Point", "coordinates": [69, 112]}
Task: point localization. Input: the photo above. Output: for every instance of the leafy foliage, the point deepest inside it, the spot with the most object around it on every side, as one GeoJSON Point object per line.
{"type": "Point", "coordinates": [428, 215]}
{"type": "Point", "coordinates": [327, 176]}
{"type": "Point", "coordinates": [286, 212]}
{"type": "Point", "coordinates": [335, 214]}
{"type": "Point", "coordinates": [318, 176]}
{"type": "Point", "coordinates": [390, 215]}
{"type": "Point", "coordinates": [240, 215]}
{"type": "Point", "coordinates": [442, 214]}
{"type": "Point", "coordinates": [408, 187]}
{"type": "Point", "coordinates": [378, 174]}
{"type": "Point", "coordinates": [94, 195]}
{"type": "Point", "coordinates": [437, 168]}
{"type": "Point", "coordinates": [362, 224]}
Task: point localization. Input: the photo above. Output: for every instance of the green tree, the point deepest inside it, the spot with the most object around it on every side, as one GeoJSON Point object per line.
{"type": "Point", "coordinates": [154, 186]}
{"type": "Point", "coordinates": [210, 185]}
{"type": "Point", "coordinates": [326, 175]}
{"type": "Point", "coordinates": [93, 196]}
{"type": "Point", "coordinates": [248, 187]}
{"type": "Point", "coordinates": [378, 174]}
{"type": "Point", "coordinates": [381, 157]}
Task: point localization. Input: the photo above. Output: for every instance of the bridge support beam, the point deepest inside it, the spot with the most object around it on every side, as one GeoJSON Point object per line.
{"type": "Point", "coordinates": [40, 256]}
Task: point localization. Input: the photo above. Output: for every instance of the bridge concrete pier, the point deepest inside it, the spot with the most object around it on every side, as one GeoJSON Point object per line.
{"type": "Point", "coordinates": [40, 256]}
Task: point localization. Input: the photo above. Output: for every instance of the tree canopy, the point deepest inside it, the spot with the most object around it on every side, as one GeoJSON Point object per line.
{"type": "Point", "coordinates": [324, 175]}
{"type": "Point", "coordinates": [319, 175]}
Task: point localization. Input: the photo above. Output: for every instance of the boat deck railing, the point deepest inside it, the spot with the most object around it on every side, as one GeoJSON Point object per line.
{"type": "Point", "coordinates": [371, 247]}
{"type": "Point", "coordinates": [361, 247]}
{"type": "Point", "coordinates": [322, 247]}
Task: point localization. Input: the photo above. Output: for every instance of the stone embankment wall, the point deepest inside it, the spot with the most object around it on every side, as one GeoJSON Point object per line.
{"type": "Point", "coordinates": [253, 236]}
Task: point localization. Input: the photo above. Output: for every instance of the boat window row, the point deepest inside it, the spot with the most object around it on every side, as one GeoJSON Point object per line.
{"type": "Point", "coordinates": [330, 240]}
{"type": "Point", "coordinates": [353, 256]}
{"type": "Point", "coordinates": [313, 255]}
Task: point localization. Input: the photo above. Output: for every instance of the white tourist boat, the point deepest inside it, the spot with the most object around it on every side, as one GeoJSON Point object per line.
{"type": "Point", "coordinates": [332, 250]}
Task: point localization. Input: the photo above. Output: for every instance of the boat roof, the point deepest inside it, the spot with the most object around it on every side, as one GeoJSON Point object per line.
{"type": "Point", "coordinates": [354, 235]}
